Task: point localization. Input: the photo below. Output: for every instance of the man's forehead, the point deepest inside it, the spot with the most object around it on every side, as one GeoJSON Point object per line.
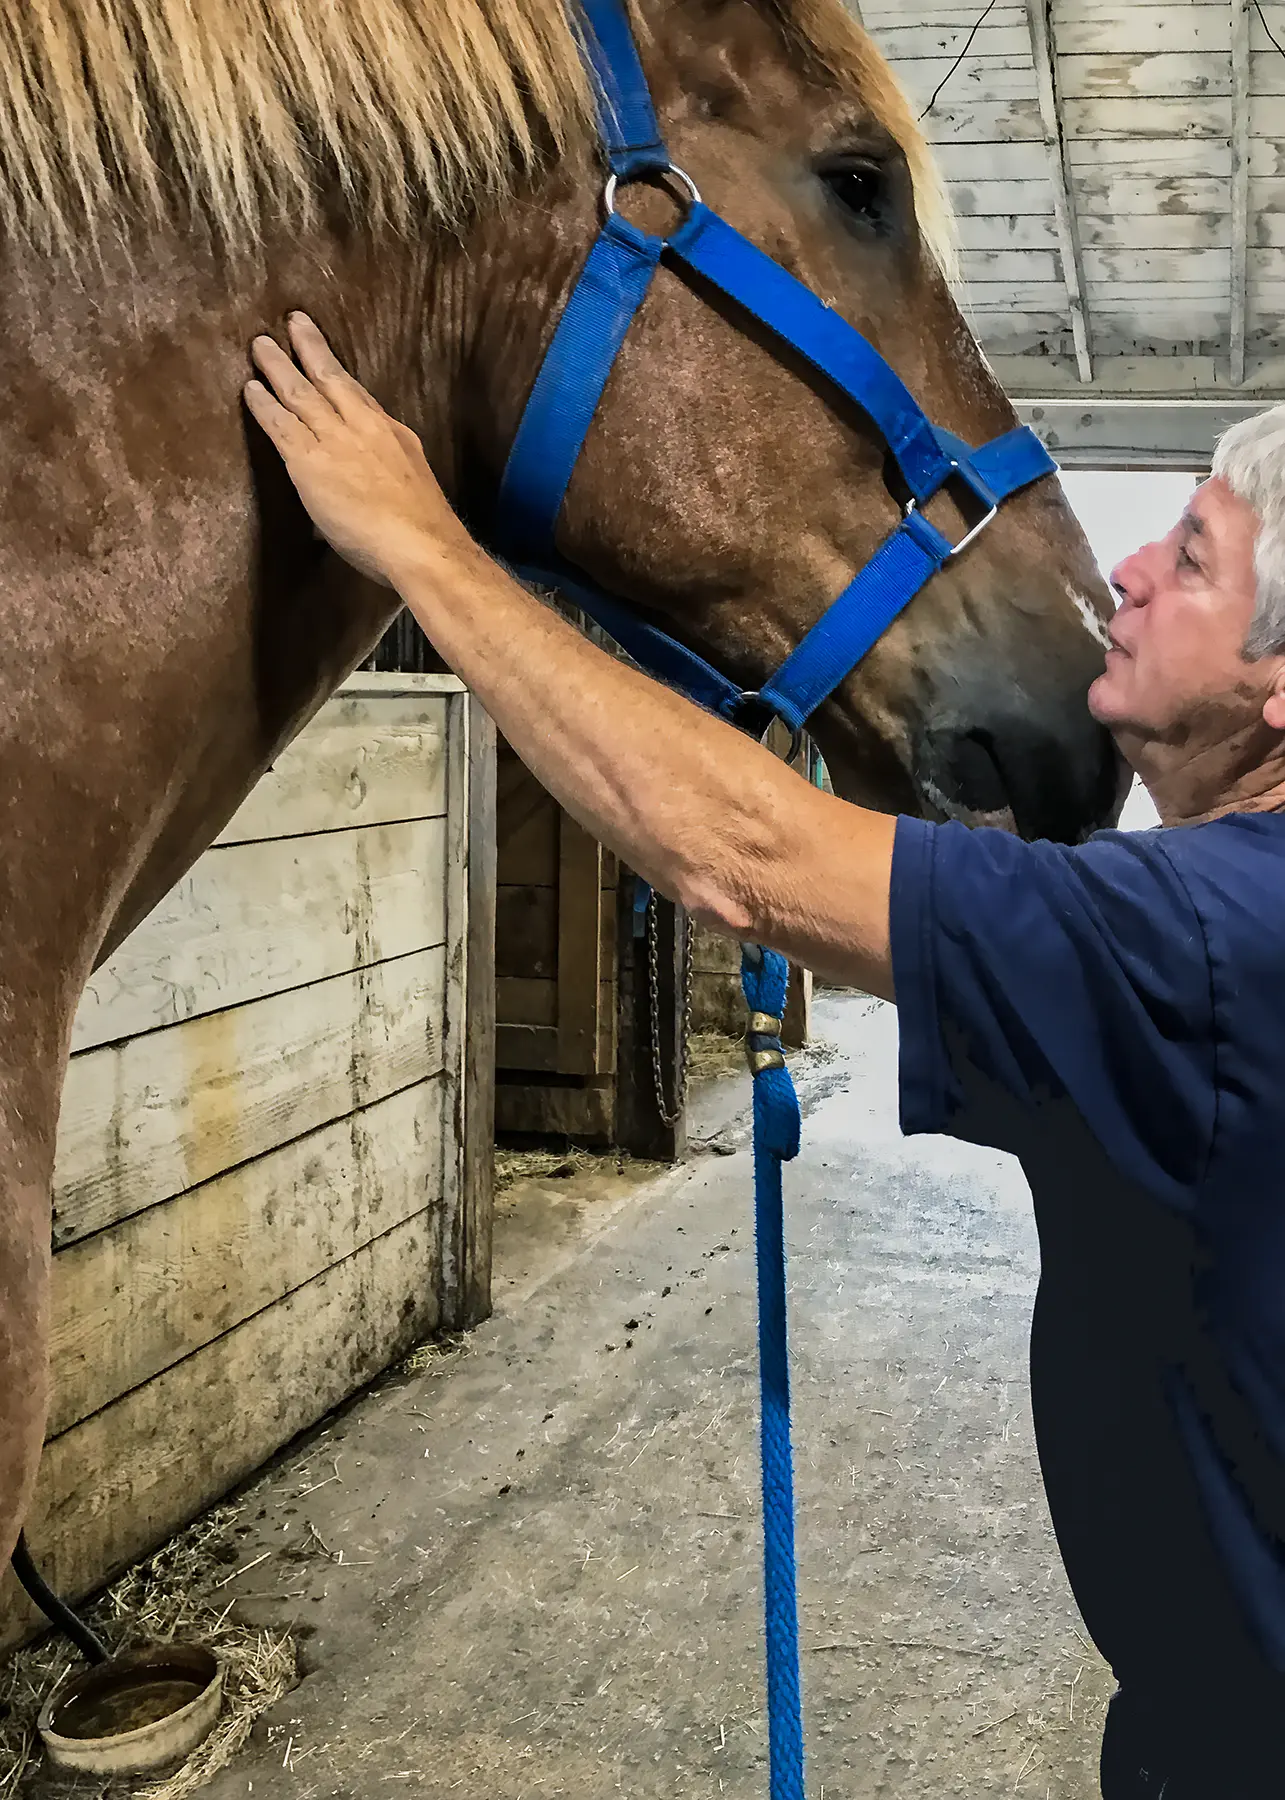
{"type": "Point", "coordinates": [1214, 511]}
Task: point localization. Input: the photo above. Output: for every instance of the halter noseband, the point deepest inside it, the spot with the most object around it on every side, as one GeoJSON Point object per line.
{"type": "Point", "coordinates": [570, 383]}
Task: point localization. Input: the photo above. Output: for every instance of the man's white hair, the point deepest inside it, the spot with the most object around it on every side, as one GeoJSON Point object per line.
{"type": "Point", "coordinates": [1250, 458]}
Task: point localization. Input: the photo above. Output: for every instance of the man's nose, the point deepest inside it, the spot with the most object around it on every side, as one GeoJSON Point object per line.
{"type": "Point", "coordinates": [1132, 579]}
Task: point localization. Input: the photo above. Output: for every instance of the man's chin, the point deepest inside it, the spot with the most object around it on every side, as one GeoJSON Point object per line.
{"type": "Point", "coordinates": [1103, 702]}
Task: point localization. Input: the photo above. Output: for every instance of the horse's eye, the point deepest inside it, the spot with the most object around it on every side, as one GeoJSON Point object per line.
{"type": "Point", "coordinates": [863, 190]}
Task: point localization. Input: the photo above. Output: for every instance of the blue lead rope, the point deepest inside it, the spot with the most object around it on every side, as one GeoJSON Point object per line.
{"type": "Point", "coordinates": [765, 978]}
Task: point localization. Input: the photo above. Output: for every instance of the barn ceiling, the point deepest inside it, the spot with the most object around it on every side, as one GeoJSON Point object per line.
{"type": "Point", "coordinates": [1118, 171]}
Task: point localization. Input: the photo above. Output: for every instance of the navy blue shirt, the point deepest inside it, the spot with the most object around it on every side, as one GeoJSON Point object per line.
{"type": "Point", "coordinates": [1114, 1014]}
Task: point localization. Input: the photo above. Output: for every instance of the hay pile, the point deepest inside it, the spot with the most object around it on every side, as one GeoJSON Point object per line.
{"type": "Point", "coordinates": [179, 1593]}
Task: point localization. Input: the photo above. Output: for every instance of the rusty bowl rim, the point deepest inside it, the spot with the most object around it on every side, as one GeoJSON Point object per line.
{"type": "Point", "coordinates": [73, 1686]}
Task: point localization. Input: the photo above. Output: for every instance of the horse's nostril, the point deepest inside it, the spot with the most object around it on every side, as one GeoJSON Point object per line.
{"type": "Point", "coordinates": [960, 770]}
{"type": "Point", "coordinates": [1058, 778]}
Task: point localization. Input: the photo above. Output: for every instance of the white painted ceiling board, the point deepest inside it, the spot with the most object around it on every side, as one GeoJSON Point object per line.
{"type": "Point", "coordinates": [1145, 92]}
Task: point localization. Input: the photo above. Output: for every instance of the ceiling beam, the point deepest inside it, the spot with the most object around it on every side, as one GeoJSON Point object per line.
{"type": "Point", "coordinates": [1240, 71]}
{"type": "Point", "coordinates": [1133, 434]}
{"type": "Point", "coordinates": [1039, 17]}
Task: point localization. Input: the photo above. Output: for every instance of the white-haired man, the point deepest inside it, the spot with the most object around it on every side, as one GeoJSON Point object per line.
{"type": "Point", "coordinates": [1114, 1014]}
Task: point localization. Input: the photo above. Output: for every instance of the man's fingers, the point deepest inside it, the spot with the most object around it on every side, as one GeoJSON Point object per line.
{"type": "Point", "coordinates": [292, 388]}
{"type": "Point", "coordinates": [344, 392]}
{"type": "Point", "coordinates": [287, 431]}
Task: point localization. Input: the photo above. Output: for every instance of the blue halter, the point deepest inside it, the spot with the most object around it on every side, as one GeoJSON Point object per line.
{"type": "Point", "coordinates": [569, 386]}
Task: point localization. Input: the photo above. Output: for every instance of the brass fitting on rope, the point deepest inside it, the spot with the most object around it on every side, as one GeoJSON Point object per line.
{"type": "Point", "coordinates": [763, 1043]}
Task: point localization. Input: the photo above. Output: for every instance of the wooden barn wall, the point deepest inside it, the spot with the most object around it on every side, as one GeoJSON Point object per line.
{"type": "Point", "coordinates": [273, 1171]}
{"type": "Point", "coordinates": [556, 965]}
{"type": "Point", "coordinates": [1148, 112]}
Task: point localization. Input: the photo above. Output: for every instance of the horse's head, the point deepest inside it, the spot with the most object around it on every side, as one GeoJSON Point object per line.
{"type": "Point", "coordinates": [724, 492]}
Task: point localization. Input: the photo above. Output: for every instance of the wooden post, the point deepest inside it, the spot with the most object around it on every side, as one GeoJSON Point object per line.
{"type": "Point", "coordinates": [477, 1099]}
{"type": "Point", "coordinates": [640, 1129]}
{"type": "Point", "coordinates": [796, 1026]}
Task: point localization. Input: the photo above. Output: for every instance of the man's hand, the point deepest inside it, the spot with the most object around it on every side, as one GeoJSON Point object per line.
{"type": "Point", "coordinates": [363, 477]}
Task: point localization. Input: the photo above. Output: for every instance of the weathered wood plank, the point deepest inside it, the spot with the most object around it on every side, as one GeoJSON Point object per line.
{"type": "Point", "coordinates": [1167, 268]}
{"type": "Point", "coordinates": [1003, 34]}
{"type": "Point", "coordinates": [1241, 127]}
{"type": "Point", "coordinates": [526, 825]}
{"type": "Point", "coordinates": [1144, 30]}
{"type": "Point", "coordinates": [257, 919]}
{"type": "Point", "coordinates": [1177, 232]}
{"type": "Point", "coordinates": [131, 1302]}
{"type": "Point", "coordinates": [1001, 160]}
{"type": "Point", "coordinates": [526, 931]}
{"type": "Point", "coordinates": [1267, 75]}
{"type": "Point", "coordinates": [958, 120]}
{"type": "Point", "coordinates": [983, 80]}
{"type": "Point", "coordinates": [1008, 231]}
{"type": "Point", "coordinates": [533, 1047]}
{"type": "Point", "coordinates": [360, 762]}
{"type": "Point", "coordinates": [1266, 155]}
{"type": "Point", "coordinates": [881, 16]}
{"type": "Point", "coordinates": [1044, 57]}
{"type": "Point", "coordinates": [1024, 296]}
{"type": "Point", "coordinates": [1102, 74]}
{"type": "Point", "coordinates": [143, 1120]}
{"type": "Point", "coordinates": [1017, 266]}
{"type": "Point", "coordinates": [116, 1486]}
{"type": "Point", "coordinates": [468, 1302]}
{"type": "Point", "coordinates": [523, 1000]}
{"type": "Point", "coordinates": [1156, 157]}
{"type": "Point", "coordinates": [993, 199]}
{"type": "Point", "coordinates": [1207, 116]}
{"type": "Point", "coordinates": [1116, 192]}
{"type": "Point", "coordinates": [580, 905]}
{"type": "Point", "coordinates": [586, 1114]}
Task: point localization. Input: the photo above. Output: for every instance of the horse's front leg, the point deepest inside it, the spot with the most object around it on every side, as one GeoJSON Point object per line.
{"type": "Point", "coordinates": [28, 1120]}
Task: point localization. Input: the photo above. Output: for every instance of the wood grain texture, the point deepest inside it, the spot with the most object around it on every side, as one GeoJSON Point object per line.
{"type": "Point", "coordinates": [145, 1120]}
{"type": "Point", "coordinates": [362, 761]}
{"type": "Point", "coordinates": [470, 1302]}
{"type": "Point", "coordinates": [131, 1302]}
{"type": "Point", "coordinates": [114, 1487]}
{"type": "Point", "coordinates": [257, 919]}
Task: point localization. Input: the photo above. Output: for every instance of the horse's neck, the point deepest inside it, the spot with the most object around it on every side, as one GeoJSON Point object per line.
{"type": "Point", "coordinates": [169, 618]}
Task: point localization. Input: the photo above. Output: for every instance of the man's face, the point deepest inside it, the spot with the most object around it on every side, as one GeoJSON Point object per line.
{"type": "Point", "coordinates": [1185, 609]}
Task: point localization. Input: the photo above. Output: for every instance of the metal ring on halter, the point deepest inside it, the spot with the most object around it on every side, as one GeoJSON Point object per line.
{"type": "Point", "coordinates": [796, 731]}
{"type": "Point", "coordinates": [680, 175]}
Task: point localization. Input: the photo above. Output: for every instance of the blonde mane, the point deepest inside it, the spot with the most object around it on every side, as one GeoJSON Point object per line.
{"type": "Point", "coordinates": [234, 113]}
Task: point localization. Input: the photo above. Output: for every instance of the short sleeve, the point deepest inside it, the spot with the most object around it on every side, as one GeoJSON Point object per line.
{"type": "Point", "coordinates": [1036, 973]}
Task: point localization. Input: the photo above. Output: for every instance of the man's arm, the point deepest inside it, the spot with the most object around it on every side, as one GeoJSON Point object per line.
{"type": "Point", "coordinates": [705, 814]}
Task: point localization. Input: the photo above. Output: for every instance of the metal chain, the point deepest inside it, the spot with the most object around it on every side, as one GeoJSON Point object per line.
{"type": "Point", "coordinates": [668, 1117]}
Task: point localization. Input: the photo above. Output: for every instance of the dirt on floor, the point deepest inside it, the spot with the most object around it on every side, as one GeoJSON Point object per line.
{"type": "Point", "coordinates": [529, 1564]}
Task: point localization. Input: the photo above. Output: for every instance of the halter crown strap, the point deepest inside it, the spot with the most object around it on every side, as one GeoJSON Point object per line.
{"type": "Point", "coordinates": [627, 123]}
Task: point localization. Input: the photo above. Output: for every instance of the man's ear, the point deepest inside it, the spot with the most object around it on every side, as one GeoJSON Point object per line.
{"type": "Point", "coordinates": [1274, 705]}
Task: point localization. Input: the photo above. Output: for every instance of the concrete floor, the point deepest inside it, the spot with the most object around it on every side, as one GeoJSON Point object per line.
{"type": "Point", "coordinates": [551, 1574]}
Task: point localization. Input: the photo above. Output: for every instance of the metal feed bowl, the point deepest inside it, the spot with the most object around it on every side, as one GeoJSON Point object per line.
{"type": "Point", "coordinates": [134, 1714]}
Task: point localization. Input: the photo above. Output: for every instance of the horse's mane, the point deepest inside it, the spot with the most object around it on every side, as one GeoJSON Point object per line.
{"type": "Point", "coordinates": [236, 112]}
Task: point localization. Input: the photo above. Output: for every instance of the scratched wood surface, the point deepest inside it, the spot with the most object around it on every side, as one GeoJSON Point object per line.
{"type": "Point", "coordinates": [269, 1129]}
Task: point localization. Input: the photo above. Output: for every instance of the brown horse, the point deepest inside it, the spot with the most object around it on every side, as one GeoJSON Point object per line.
{"type": "Point", "coordinates": [421, 176]}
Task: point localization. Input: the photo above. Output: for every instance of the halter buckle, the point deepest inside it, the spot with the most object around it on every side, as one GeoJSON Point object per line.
{"type": "Point", "coordinates": [650, 175]}
{"type": "Point", "coordinates": [751, 697]}
{"type": "Point", "coordinates": [980, 492]}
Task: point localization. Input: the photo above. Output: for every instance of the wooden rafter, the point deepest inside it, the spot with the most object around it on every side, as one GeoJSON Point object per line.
{"type": "Point", "coordinates": [1240, 68]}
{"type": "Point", "coordinates": [1038, 14]}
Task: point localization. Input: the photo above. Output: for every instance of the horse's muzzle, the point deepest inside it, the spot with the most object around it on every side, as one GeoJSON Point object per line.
{"type": "Point", "coordinates": [1055, 777]}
